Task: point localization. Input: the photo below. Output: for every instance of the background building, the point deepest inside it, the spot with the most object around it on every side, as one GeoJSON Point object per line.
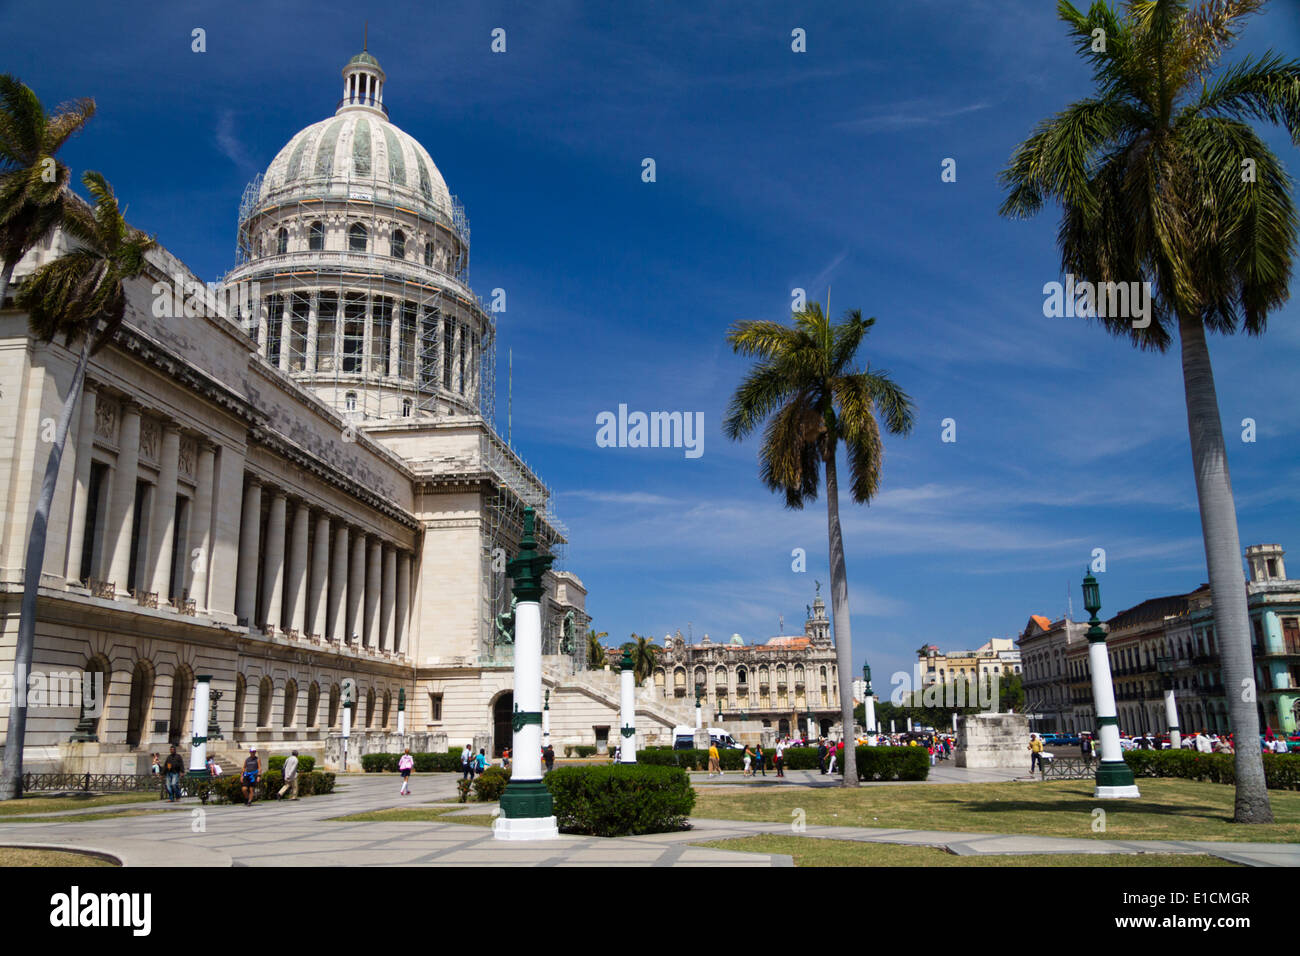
{"type": "Point", "coordinates": [995, 657]}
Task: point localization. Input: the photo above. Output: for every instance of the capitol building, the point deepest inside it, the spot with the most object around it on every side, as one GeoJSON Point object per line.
{"type": "Point", "coordinates": [297, 488]}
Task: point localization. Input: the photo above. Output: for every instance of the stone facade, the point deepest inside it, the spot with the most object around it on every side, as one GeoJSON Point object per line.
{"type": "Point", "coordinates": [223, 510]}
{"type": "Point", "coordinates": [993, 740]}
{"type": "Point", "coordinates": [777, 683]}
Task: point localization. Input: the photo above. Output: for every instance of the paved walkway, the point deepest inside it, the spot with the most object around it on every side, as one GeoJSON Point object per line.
{"type": "Point", "coordinates": [302, 834]}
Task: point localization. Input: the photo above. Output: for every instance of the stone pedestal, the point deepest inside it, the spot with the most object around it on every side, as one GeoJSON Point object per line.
{"type": "Point", "coordinates": [993, 740]}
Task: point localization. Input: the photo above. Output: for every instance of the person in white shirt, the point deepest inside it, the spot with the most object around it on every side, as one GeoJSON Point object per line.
{"type": "Point", "coordinates": [1203, 743]}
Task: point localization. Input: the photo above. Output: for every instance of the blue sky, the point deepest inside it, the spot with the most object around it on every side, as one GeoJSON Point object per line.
{"type": "Point", "coordinates": [775, 170]}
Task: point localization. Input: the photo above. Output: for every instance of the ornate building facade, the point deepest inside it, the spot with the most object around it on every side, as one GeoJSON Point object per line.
{"type": "Point", "coordinates": [782, 683]}
{"type": "Point", "coordinates": [286, 481]}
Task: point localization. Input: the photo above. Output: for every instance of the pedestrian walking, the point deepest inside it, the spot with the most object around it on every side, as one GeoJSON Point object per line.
{"type": "Point", "coordinates": [834, 753]}
{"type": "Point", "coordinates": [1085, 747]}
{"type": "Point", "coordinates": [404, 766]}
{"type": "Point", "coordinates": [749, 759]}
{"type": "Point", "coordinates": [548, 755]}
{"type": "Point", "coordinates": [481, 761]}
{"type": "Point", "coordinates": [1035, 752]}
{"type": "Point", "coordinates": [821, 755]}
{"type": "Point", "coordinates": [505, 759]}
{"type": "Point", "coordinates": [466, 764]}
{"type": "Point", "coordinates": [762, 763]}
{"type": "Point", "coordinates": [173, 767]}
{"type": "Point", "coordinates": [715, 762]}
{"type": "Point", "coordinates": [780, 759]}
{"type": "Point", "coordinates": [290, 777]}
{"type": "Point", "coordinates": [252, 768]}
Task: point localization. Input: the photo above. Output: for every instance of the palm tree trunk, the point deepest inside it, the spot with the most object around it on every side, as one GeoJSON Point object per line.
{"type": "Point", "coordinates": [6, 277]}
{"type": "Point", "coordinates": [840, 617]}
{"type": "Point", "coordinates": [11, 782]}
{"type": "Point", "coordinates": [1227, 583]}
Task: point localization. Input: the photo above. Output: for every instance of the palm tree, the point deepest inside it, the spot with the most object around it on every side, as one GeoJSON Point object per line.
{"type": "Point", "coordinates": [595, 650]}
{"type": "Point", "coordinates": [79, 296]}
{"type": "Point", "coordinates": [33, 184]}
{"type": "Point", "coordinates": [807, 389]}
{"type": "Point", "coordinates": [1161, 181]}
{"type": "Point", "coordinates": [645, 655]}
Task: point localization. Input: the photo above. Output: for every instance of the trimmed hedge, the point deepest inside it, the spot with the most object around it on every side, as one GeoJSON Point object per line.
{"type": "Point", "coordinates": [229, 788]}
{"type": "Point", "coordinates": [620, 800]}
{"type": "Point", "coordinates": [424, 762]}
{"type": "Point", "coordinates": [490, 784]}
{"type": "Point", "coordinates": [874, 763]}
{"type": "Point", "coordinates": [1281, 771]}
{"type": "Point", "coordinates": [305, 764]}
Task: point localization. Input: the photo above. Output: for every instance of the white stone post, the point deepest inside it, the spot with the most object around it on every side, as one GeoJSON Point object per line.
{"type": "Point", "coordinates": [401, 713]}
{"type": "Point", "coordinates": [699, 713]}
{"type": "Point", "coordinates": [954, 721]}
{"type": "Point", "coordinates": [199, 739]}
{"type": "Point", "coordinates": [526, 806]}
{"type": "Point", "coordinates": [869, 713]}
{"type": "Point", "coordinates": [1171, 717]}
{"type": "Point", "coordinates": [546, 719]}
{"type": "Point", "coordinates": [627, 710]}
{"type": "Point", "coordinates": [1114, 779]}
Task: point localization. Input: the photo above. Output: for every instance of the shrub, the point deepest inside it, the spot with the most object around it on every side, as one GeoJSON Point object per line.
{"type": "Point", "coordinates": [379, 763]}
{"type": "Point", "coordinates": [424, 762]}
{"type": "Point", "coordinates": [491, 783]}
{"type": "Point", "coordinates": [305, 764]}
{"type": "Point", "coordinates": [229, 788]}
{"type": "Point", "coordinates": [621, 800]}
{"type": "Point", "coordinates": [463, 788]}
{"type": "Point", "coordinates": [1281, 771]}
{"type": "Point", "coordinates": [889, 763]}
{"type": "Point", "coordinates": [582, 751]}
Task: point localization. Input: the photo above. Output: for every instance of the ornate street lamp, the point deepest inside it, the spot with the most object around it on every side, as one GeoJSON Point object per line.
{"type": "Point", "coordinates": [627, 723]}
{"type": "Point", "coordinates": [1114, 778]}
{"type": "Point", "coordinates": [1165, 665]}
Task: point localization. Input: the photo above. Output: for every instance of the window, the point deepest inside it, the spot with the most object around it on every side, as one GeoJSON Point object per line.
{"type": "Point", "coordinates": [358, 238]}
{"type": "Point", "coordinates": [326, 317]}
{"type": "Point", "coordinates": [139, 540]}
{"type": "Point", "coordinates": [95, 509]}
{"type": "Point", "coordinates": [435, 708]}
{"type": "Point", "coordinates": [406, 408]}
{"type": "Point", "coordinates": [448, 338]}
{"type": "Point", "coordinates": [350, 401]}
{"type": "Point", "coordinates": [381, 328]}
{"type": "Point", "coordinates": [354, 331]}
{"type": "Point", "coordinates": [428, 254]}
{"type": "Point", "coordinates": [406, 330]}
{"type": "Point", "coordinates": [316, 237]}
{"type": "Point", "coordinates": [397, 247]}
{"type": "Point", "coordinates": [282, 242]}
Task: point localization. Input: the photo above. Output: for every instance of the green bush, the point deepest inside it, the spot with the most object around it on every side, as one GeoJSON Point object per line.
{"type": "Point", "coordinates": [424, 762]}
{"type": "Point", "coordinates": [229, 788]}
{"type": "Point", "coordinates": [581, 751]}
{"type": "Point", "coordinates": [491, 783]}
{"type": "Point", "coordinates": [462, 788]}
{"type": "Point", "coordinates": [305, 764]}
{"type": "Point", "coordinates": [1281, 771]}
{"type": "Point", "coordinates": [889, 763]}
{"type": "Point", "coordinates": [621, 800]}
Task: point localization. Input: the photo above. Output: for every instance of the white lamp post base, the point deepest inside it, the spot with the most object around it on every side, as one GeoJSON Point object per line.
{"type": "Point", "coordinates": [1116, 793]}
{"type": "Point", "coordinates": [525, 828]}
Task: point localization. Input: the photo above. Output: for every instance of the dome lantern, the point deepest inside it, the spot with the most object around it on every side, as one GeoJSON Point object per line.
{"type": "Point", "coordinates": [363, 86]}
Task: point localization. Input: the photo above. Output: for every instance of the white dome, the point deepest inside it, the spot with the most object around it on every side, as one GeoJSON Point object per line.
{"type": "Point", "coordinates": [357, 149]}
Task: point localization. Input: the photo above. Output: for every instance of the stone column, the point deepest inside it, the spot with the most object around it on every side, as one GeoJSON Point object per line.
{"type": "Point", "coordinates": [403, 608]}
{"type": "Point", "coordinates": [162, 531]}
{"type": "Point", "coordinates": [374, 587]}
{"type": "Point", "coordinates": [313, 324]}
{"type": "Point", "coordinates": [121, 509]}
{"type": "Point", "coordinates": [295, 590]}
{"type": "Point", "coordinates": [320, 565]}
{"type": "Point", "coordinates": [627, 710]}
{"type": "Point", "coordinates": [249, 550]}
{"type": "Point", "coordinates": [395, 339]}
{"type": "Point", "coordinates": [264, 326]}
{"type": "Point", "coordinates": [199, 741]}
{"type": "Point", "coordinates": [1114, 779]}
{"type": "Point", "coordinates": [273, 562]}
{"type": "Point", "coordinates": [286, 328]}
{"type": "Point", "coordinates": [526, 806]}
{"type": "Point", "coordinates": [458, 371]}
{"type": "Point", "coordinates": [337, 608]}
{"type": "Point", "coordinates": [201, 527]}
{"type": "Point", "coordinates": [81, 486]}
{"type": "Point", "coordinates": [357, 587]}
{"type": "Point", "coordinates": [387, 613]}
{"type": "Point", "coordinates": [1171, 717]}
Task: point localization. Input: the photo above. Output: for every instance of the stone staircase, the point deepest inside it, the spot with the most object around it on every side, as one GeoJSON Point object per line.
{"type": "Point", "coordinates": [605, 686]}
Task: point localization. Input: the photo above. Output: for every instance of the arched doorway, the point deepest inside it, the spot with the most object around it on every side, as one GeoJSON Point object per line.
{"type": "Point", "coordinates": [141, 698]}
{"type": "Point", "coordinates": [182, 700]}
{"type": "Point", "coordinates": [502, 730]}
{"type": "Point", "coordinates": [826, 727]}
{"type": "Point", "coordinates": [783, 727]}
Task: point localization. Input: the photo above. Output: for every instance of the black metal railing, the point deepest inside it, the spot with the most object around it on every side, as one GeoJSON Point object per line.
{"type": "Point", "coordinates": [98, 782]}
{"type": "Point", "coordinates": [1068, 768]}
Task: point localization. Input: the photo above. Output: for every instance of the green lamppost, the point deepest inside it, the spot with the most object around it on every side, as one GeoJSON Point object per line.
{"type": "Point", "coordinates": [1114, 778]}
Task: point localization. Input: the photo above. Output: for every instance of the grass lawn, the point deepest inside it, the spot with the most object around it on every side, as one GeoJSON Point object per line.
{"type": "Point", "coordinates": [808, 851]}
{"type": "Point", "coordinates": [1167, 810]}
{"type": "Point", "coordinates": [406, 814]}
{"type": "Point", "coordinates": [79, 801]}
{"type": "Point", "coordinates": [12, 856]}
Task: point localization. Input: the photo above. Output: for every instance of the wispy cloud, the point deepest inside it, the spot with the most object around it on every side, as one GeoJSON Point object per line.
{"type": "Point", "coordinates": [231, 145]}
{"type": "Point", "coordinates": [908, 115]}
